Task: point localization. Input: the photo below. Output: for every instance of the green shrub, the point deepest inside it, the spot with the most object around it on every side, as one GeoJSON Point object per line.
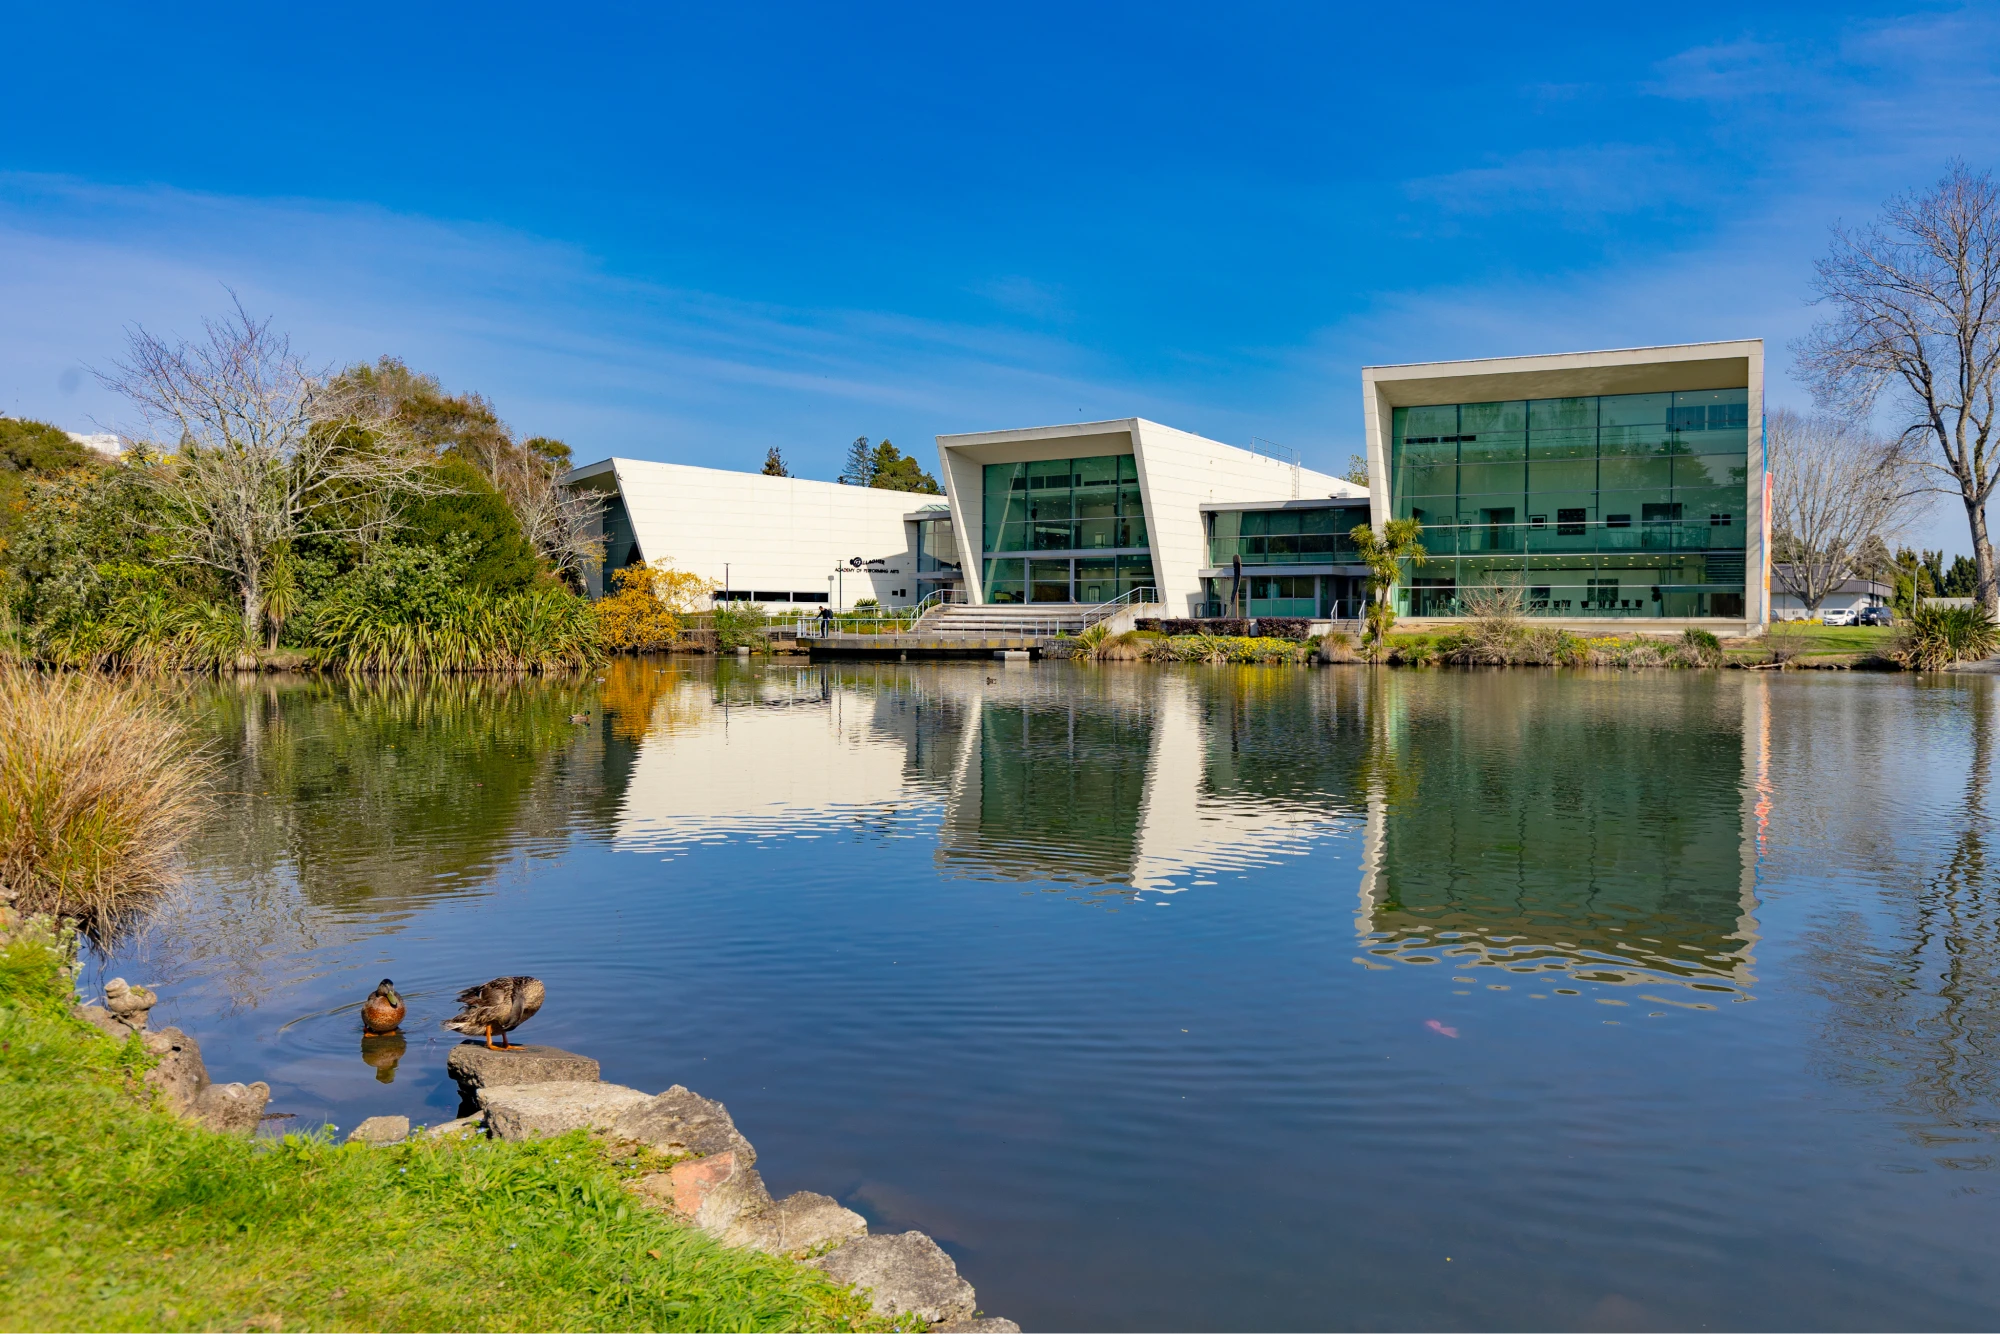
{"type": "Point", "coordinates": [1934, 637]}
{"type": "Point", "coordinates": [739, 625]}
{"type": "Point", "coordinates": [404, 610]}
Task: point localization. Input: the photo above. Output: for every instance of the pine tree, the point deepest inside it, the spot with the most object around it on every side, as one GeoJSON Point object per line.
{"type": "Point", "coordinates": [860, 469]}
{"type": "Point", "coordinates": [774, 464]}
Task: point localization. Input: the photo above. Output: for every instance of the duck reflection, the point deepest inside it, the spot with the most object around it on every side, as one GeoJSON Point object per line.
{"type": "Point", "coordinates": [383, 1051]}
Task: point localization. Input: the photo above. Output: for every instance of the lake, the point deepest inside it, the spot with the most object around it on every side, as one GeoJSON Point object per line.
{"type": "Point", "coordinates": [1234, 998]}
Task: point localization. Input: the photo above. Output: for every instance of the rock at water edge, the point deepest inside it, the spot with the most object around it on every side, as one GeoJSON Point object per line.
{"type": "Point", "coordinates": [985, 1324]}
{"type": "Point", "coordinates": [179, 1075]}
{"type": "Point", "coordinates": [907, 1272]}
{"type": "Point", "coordinates": [474, 1067]}
{"type": "Point", "coordinates": [682, 1122]}
{"type": "Point", "coordinates": [797, 1225]}
{"type": "Point", "coordinates": [380, 1130]}
{"type": "Point", "coordinates": [531, 1111]}
{"type": "Point", "coordinates": [103, 1021]}
{"type": "Point", "coordinates": [233, 1108]}
{"type": "Point", "coordinates": [711, 1192]}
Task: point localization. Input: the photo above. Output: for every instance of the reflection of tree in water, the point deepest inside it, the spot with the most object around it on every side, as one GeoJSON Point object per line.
{"type": "Point", "coordinates": [355, 801]}
{"type": "Point", "coordinates": [1918, 1016]}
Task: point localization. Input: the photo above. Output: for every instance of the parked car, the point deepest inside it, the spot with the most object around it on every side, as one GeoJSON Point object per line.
{"type": "Point", "coordinates": [1876, 616]}
{"type": "Point", "coordinates": [1840, 616]}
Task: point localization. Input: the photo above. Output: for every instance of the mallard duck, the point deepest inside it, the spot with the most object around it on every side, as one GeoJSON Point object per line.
{"type": "Point", "coordinates": [382, 1012]}
{"type": "Point", "coordinates": [499, 1006]}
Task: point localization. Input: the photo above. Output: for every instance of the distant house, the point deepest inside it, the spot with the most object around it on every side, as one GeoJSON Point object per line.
{"type": "Point", "coordinates": [1853, 595]}
{"type": "Point", "coordinates": [105, 443]}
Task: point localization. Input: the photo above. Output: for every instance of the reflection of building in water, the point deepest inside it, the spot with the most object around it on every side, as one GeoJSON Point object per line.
{"type": "Point", "coordinates": [1099, 779]}
{"type": "Point", "coordinates": [1574, 827]}
{"type": "Point", "coordinates": [780, 752]}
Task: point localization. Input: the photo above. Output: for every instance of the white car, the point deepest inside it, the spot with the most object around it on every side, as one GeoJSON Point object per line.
{"type": "Point", "coordinates": [1845, 617]}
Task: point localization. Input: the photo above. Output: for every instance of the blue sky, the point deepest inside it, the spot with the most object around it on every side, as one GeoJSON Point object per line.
{"type": "Point", "coordinates": [690, 235]}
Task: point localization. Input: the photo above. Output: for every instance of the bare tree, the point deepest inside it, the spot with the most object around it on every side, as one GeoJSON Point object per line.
{"type": "Point", "coordinates": [250, 447]}
{"type": "Point", "coordinates": [1916, 309]}
{"type": "Point", "coordinates": [1834, 486]}
{"type": "Point", "coordinates": [561, 522]}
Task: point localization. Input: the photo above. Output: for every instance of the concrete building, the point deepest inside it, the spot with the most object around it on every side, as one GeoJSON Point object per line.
{"type": "Point", "coordinates": [1621, 486]}
{"type": "Point", "coordinates": [774, 540]}
{"type": "Point", "coordinates": [1626, 486]}
{"type": "Point", "coordinates": [1093, 511]}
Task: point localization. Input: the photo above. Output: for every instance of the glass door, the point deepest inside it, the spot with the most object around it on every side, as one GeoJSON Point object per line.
{"type": "Point", "coordinates": [1048, 581]}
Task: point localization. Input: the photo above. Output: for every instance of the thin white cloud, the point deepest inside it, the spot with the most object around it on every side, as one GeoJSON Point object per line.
{"type": "Point", "coordinates": [563, 346]}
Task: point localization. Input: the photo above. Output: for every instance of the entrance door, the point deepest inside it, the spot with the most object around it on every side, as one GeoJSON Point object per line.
{"type": "Point", "coordinates": [1048, 581]}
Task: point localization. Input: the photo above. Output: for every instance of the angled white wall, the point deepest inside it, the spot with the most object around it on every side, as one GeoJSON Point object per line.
{"type": "Point", "coordinates": [1178, 473]}
{"type": "Point", "coordinates": [766, 533]}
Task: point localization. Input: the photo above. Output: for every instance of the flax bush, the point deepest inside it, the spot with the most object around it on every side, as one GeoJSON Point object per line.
{"type": "Point", "coordinates": [100, 784]}
{"type": "Point", "coordinates": [1933, 638]}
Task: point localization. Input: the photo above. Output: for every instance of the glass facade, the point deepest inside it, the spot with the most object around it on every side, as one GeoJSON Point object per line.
{"type": "Point", "coordinates": [1284, 537]}
{"type": "Point", "coordinates": [1064, 530]}
{"type": "Point", "coordinates": [1619, 505]}
{"type": "Point", "coordinates": [937, 550]}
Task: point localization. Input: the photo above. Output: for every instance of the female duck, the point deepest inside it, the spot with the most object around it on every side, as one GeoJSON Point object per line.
{"type": "Point", "coordinates": [499, 1006]}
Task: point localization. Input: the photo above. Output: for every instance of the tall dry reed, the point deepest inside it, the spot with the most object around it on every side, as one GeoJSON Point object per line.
{"type": "Point", "coordinates": [100, 785]}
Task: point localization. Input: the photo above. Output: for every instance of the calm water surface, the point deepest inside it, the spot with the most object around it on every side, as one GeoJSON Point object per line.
{"type": "Point", "coordinates": [1205, 998]}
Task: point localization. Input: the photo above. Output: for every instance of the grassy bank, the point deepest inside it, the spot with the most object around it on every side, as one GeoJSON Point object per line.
{"type": "Point", "coordinates": [114, 1215]}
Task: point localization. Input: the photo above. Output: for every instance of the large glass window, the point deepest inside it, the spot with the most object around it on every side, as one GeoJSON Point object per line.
{"type": "Point", "coordinates": [1616, 505]}
{"type": "Point", "coordinates": [1304, 536]}
{"type": "Point", "coordinates": [1069, 506]}
{"type": "Point", "coordinates": [937, 547]}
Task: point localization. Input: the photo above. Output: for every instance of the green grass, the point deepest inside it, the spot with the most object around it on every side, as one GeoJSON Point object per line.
{"type": "Point", "coordinates": [114, 1215]}
{"type": "Point", "coordinates": [1844, 638]}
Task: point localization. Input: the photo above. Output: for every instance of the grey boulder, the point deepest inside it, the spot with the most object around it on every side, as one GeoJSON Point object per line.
{"type": "Point", "coordinates": [474, 1067]}
{"type": "Point", "coordinates": [232, 1108]}
{"type": "Point", "coordinates": [103, 1021]}
{"type": "Point", "coordinates": [533, 1111]}
{"type": "Point", "coordinates": [380, 1130]}
{"type": "Point", "coordinates": [682, 1122]}
{"type": "Point", "coordinates": [799, 1224]}
{"type": "Point", "coordinates": [984, 1324]}
{"type": "Point", "coordinates": [179, 1075]}
{"type": "Point", "coordinates": [902, 1273]}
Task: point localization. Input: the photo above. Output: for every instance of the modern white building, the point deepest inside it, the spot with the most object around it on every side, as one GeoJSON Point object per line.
{"type": "Point", "coordinates": [1625, 486]}
{"type": "Point", "coordinates": [1089, 512]}
{"type": "Point", "coordinates": [767, 539]}
{"type": "Point", "coordinates": [1082, 513]}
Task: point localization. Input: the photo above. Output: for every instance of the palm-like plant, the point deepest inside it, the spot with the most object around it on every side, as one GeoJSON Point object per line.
{"type": "Point", "coordinates": [1384, 554]}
